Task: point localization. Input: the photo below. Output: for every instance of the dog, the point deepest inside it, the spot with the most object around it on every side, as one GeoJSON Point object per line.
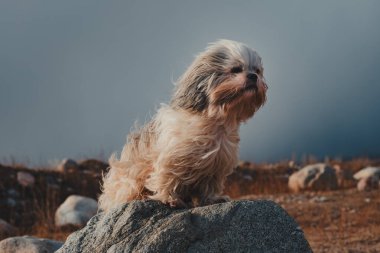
{"type": "Point", "coordinates": [183, 156]}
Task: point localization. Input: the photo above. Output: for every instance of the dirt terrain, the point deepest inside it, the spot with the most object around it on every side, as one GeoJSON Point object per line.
{"type": "Point", "coordinates": [344, 220]}
{"type": "Point", "coordinates": [336, 221]}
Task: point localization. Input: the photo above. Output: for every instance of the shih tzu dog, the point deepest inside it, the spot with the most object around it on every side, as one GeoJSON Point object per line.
{"type": "Point", "coordinates": [184, 154]}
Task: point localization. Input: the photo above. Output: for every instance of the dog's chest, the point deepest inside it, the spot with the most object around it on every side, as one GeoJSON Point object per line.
{"type": "Point", "coordinates": [208, 143]}
{"type": "Point", "coordinates": [225, 146]}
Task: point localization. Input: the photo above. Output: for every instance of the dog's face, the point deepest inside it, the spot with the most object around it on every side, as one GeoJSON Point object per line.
{"type": "Point", "coordinates": [227, 79]}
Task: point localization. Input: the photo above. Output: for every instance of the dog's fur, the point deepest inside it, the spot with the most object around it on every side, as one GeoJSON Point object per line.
{"type": "Point", "coordinates": [184, 154]}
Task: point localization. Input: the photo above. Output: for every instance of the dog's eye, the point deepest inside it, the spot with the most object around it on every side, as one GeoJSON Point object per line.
{"type": "Point", "coordinates": [257, 71]}
{"type": "Point", "coordinates": [236, 70]}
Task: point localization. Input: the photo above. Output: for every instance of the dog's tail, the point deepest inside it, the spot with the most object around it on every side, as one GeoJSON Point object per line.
{"type": "Point", "coordinates": [126, 176]}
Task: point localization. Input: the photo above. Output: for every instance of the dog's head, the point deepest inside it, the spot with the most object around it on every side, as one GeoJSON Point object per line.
{"type": "Point", "coordinates": [226, 80]}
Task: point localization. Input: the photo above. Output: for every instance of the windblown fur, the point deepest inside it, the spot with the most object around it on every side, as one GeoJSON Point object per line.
{"type": "Point", "coordinates": [184, 154]}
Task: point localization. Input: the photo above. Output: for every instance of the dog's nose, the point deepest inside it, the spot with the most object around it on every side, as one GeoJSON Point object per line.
{"type": "Point", "coordinates": [252, 76]}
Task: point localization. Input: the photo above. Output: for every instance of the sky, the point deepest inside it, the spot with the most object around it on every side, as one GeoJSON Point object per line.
{"type": "Point", "coordinates": [76, 75]}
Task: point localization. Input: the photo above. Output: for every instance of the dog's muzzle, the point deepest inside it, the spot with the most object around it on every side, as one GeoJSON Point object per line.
{"type": "Point", "coordinates": [251, 83]}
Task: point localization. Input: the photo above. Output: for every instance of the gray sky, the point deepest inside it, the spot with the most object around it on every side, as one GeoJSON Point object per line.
{"type": "Point", "coordinates": [75, 75]}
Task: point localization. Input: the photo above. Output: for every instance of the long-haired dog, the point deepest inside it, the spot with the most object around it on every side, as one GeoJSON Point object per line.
{"type": "Point", "coordinates": [184, 154]}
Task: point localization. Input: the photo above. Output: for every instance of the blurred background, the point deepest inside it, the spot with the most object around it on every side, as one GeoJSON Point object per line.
{"type": "Point", "coordinates": [76, 75]}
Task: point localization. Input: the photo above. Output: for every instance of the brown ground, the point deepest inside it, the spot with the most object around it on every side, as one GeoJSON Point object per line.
{"type": "Point", "coordinates": [340, 221]}
{"type": "Point", "coordinates": [337, 221]}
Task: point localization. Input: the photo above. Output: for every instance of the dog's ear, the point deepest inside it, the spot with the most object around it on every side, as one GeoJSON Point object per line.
{"type": "Point", "coordinates": [193, 86]}
{"type": "Point", "coordinates": [193, 94]}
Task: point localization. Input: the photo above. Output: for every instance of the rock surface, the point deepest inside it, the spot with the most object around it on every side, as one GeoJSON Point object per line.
{"type": "Point", "coordinates": [76, 211]}
{"type": "Point", "coordinates": [150, 226]}
{"type": "Point", "coordinates": [28, 244]}
{"type": "Point", "coordinates": [314, 177]}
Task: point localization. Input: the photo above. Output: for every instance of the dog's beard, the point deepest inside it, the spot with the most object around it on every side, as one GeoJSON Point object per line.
{"type": "Point", "coordinates": [239, 101]}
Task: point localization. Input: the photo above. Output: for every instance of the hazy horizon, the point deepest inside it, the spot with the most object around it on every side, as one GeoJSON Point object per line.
{"type": "Point", "coordinates": [75, 76]}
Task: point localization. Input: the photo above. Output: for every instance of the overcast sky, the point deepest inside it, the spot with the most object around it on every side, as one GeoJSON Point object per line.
{"type": "Point", "coordinates": [75, 75]}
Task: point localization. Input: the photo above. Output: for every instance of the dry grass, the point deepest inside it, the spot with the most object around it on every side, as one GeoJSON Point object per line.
{"type": "Point", "coordinates": [35, 209]}
{"type": "Point", "coordinates": [345, 221]}
{"type": "Point", "coordinates": [338, 221]}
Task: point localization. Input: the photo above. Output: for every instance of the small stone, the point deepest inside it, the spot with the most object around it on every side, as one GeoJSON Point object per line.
{"type": "Point", "coordinates": [247, 177]}
{"type": "Point", "coordinates": [68, 166]}
{"type": "Point", "coordinates": [369, 179]}
{"type": "Point", "coordinates": [320, 199]}
{"type": "Point", "coordinates": [314, 177]}
{"type": "Point", "coordinates": [76, 211]}
{"type": "Point", "coordinates": [11, 202]}
{"type": "Point", "coordinates": [28, 244]}
{"type": "Point", "coordinates": [25, 179]}
{"type": "Point", "coordinates": [367, 172]}
{"type": "Point", "coordinates": [13, 193]}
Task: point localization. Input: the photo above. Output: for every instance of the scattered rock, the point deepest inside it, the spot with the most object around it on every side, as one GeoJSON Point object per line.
{"type": "Point", "coordinates": [94, 166]}
{"type": "Point", "coordinates": [320, 199]}
{"type": "Point", "coordinates": [13, 193]}
{"type": "Point", "coordinates": [367, 172]}
{"type": "Point", "coordinates": [28, 244]}
{"type": "Point", "coordinates": [314, 177]}
{"type": "Point", "coordinates": [11, 202]}
{"type": "Point", "coordinates": [75, 211]}
{"type": "Point", "coordinates": [369, 178]}
{"type": "Point", "coordinates": [67, 166]}
{"type": "Point", "coordinates": [25, 179]}
{"type": "Point", "coordinates": [150, 226]}
{"type": "Point", "coordinates": [6, 230]}
{"type": "Point", "coordinates": [368, 184]}
{"type": "Point", "coordinates": [248, 177]}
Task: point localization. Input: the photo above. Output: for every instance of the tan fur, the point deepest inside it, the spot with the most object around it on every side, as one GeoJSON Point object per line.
{"type": "Point", "coordinates": [184, 154]}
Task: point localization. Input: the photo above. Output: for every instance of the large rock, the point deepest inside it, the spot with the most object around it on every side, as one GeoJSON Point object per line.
{"type": "Point", "coordinates": [150, 226]}
{"type": "Point", "coordinates": [28, 244]}
{"type": "Point", "coordinates": [368, 178]}
{"type": "Point", "coordinates": [314, 177]}
{"type": "Point", "coordinates": [75, 211]}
